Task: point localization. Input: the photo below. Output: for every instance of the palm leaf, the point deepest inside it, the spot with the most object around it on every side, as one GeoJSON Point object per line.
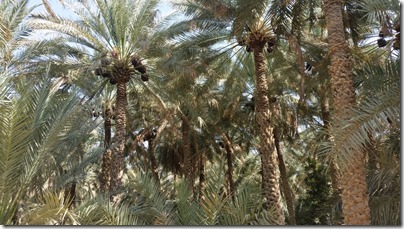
{"type": "Point", "coordinates": [50, 210]}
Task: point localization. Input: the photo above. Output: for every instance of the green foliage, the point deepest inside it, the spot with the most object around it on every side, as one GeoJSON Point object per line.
{"type": "Point", "coordinates": [39, 126]}
{"type": "Point", "coordinates": [49, 140]}
{"type": "Point", "coordinates": [101, 211]}
{"type": "Point", "coordinates": [49, 210]}
{"type": "Point", "coordinates": [313, 208]}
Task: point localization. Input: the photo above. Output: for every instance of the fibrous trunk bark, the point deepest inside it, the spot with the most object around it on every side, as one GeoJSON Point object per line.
{"type": "Point", "coordinates": [326, 116]}
{"type": "Point", "coordinates": [229, 159]}
{"type": "Point", "coordinates": [290, 199]}
{"type": "Point", "coordinates": [153, 161]}
{"type": "Point", "coordinates": [201, 175]}
{"type": "Point", "coordinates": [196, 161]}
{"type": "Point", "coordinates": [152, 145]}
{"type": "Point", "coordinates": [355, 199]}
{"type": "Point", "coordinates": [186, 146]}
{"type": "Point", "coordinates": [117, 164]}
{"type": "Point", "coordinates": [107, 156]}
{"type": "Point", "coordinates": [295, 46]}
{"type": "Point", "coordinates": [269, 168]}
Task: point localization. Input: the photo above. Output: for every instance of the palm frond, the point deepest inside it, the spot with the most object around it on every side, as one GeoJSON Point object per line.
{"type": "Point", "coordinates": [247, 205]}
{"type": "Point", "coordinates": [372, 116]}
{"type": "Point", "coordinates": [100, 211]}
{"type": "Point", "coordinates": [151, 203]}
{"type": "Point", "coordinates": [380, 10]}
{"type": "Point", "coordinates": [50, 210]}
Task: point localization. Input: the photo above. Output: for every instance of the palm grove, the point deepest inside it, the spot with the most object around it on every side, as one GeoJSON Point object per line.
{"type": "Point", "coordinates": [227, 112]}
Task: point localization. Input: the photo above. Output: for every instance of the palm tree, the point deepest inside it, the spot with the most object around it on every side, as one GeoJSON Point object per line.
{"type": "Point", "coordinates": [355, 198]}
{"type": "Point", "coordinates": [103, 28]}
{"type": "Point", "coordinates": [197, 115]}
{"type": "Point", "coordinates": [252, 28]}
{"type": "Point", "coordinates": [108, 113]}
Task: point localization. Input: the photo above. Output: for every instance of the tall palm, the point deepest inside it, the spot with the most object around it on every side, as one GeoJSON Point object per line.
{"type": "Point", "coordinates": [117, 32]}
{"type": "Point", "coordinates": [257, 39]}
{"type": "Point", "coordinates": [249, 22]}
{"type": "Point", "coordinates": [355, 197]}
{"type": "Point", "coordinates": [108, 112]}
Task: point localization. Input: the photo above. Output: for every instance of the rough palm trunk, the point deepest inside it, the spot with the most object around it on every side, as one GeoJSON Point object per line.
{"type": "Point", "coordinates": [326, 116]}
{"type": "Point", "coordinates": [325, 113]}
{"type": "Point", "coordinates": [135, 145]}
{"type": "Point", "coordinates": [201, 175]}
{"type": "Point", "coordinates": [355, 199]}
{"type": "Point", "coordinates": [107, 126]}
{"type": "Point", "coordinates": [107, 156]}
{"type": "Point", "coordinates": [229, 158]}
{"type": "Point", "coordinates": [196, 168]}
{"type": "Point", "coordinates": [296, 47]}
{"type": "Point", "coordinates": [120, 125]}
{"type": "Point", "coordinates": [270, 176]}
{"type": "Point", "coordinates": [290, 199]}
{"type": "Point", "coordinates": [152, 145]}
{"type": "Point", "coordinates": [153, 161]}
{"type": "Point", "coordinates": [186, 146]}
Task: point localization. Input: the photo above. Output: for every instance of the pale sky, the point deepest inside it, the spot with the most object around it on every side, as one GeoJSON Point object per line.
{"type": "Point", "coordinates": [164, 7]}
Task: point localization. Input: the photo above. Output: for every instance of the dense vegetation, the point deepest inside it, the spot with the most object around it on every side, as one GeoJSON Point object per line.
{"type": "Point", "coordinates": [226, 112]}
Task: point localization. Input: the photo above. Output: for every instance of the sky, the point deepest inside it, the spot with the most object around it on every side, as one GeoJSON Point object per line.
{"type": "Point", "coordinates": [164, 7]}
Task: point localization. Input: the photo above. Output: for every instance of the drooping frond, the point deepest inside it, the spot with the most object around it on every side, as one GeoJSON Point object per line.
{"type": "Point", "coordinates": [377, 111]}
{"type": "Point", "coordinates": [50, 209]}
{"type": "Point", "coordinates": [38, 124]}
{"type": "Point", "coordinates": [380, 10]}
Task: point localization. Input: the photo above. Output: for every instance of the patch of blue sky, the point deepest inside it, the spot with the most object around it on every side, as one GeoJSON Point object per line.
{"type": "Point", "coordinates": [164, 7]}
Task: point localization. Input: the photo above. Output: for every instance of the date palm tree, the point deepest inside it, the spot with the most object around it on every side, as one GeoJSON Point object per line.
{"type": "Point", "coordinates": [115, 35]}
{"type": "Point", "coordinates": [354, 197]}
{"type": "Point", "coordinates": [249, 22]}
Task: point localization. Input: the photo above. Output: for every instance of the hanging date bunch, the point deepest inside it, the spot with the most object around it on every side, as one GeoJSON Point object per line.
{"type": "Point", "coordinates": [118, 70]}
{"type": "Point", "coordinates": [137, 64]}
{"type": "Point", "coordinates": [271, 44]}
{"type": "Point", "coordinates": [104, 70]}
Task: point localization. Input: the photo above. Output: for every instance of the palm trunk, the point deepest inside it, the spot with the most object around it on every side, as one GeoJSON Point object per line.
{"type": "Point", "coordinates": [295, 46]}
{"type": "Point", "coordinates": [201, 175]}
{"type": "Point", "coordinates": [146, 164]}
{"type": "Point", "coordinates": [229, 154]}
{"type": "Point", "coordinates": [355, 199]}
{"type": "Point", "coordinates": [153, 161]}
{"type": "Point", "coordinates": [186, 146]}
{"type": "Point", "coordinates": [117, 164]}
{"type": "Point", "coordinates": [107, 126]}
{"type": "Point", "coordinates": [143, 153]}
{"type": "Point", "coordinates": [152, 145]}
{"type": "Point", "coordinates": [106, 157]}
{"type": "Point", "coordinates": [269, 168]}
{"type": "Point", "coordinates": [196, 162]}
{"type": "Point", "coordinates": [325, 113]}
{"type": "Point", "coordinates": [290, 200]}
